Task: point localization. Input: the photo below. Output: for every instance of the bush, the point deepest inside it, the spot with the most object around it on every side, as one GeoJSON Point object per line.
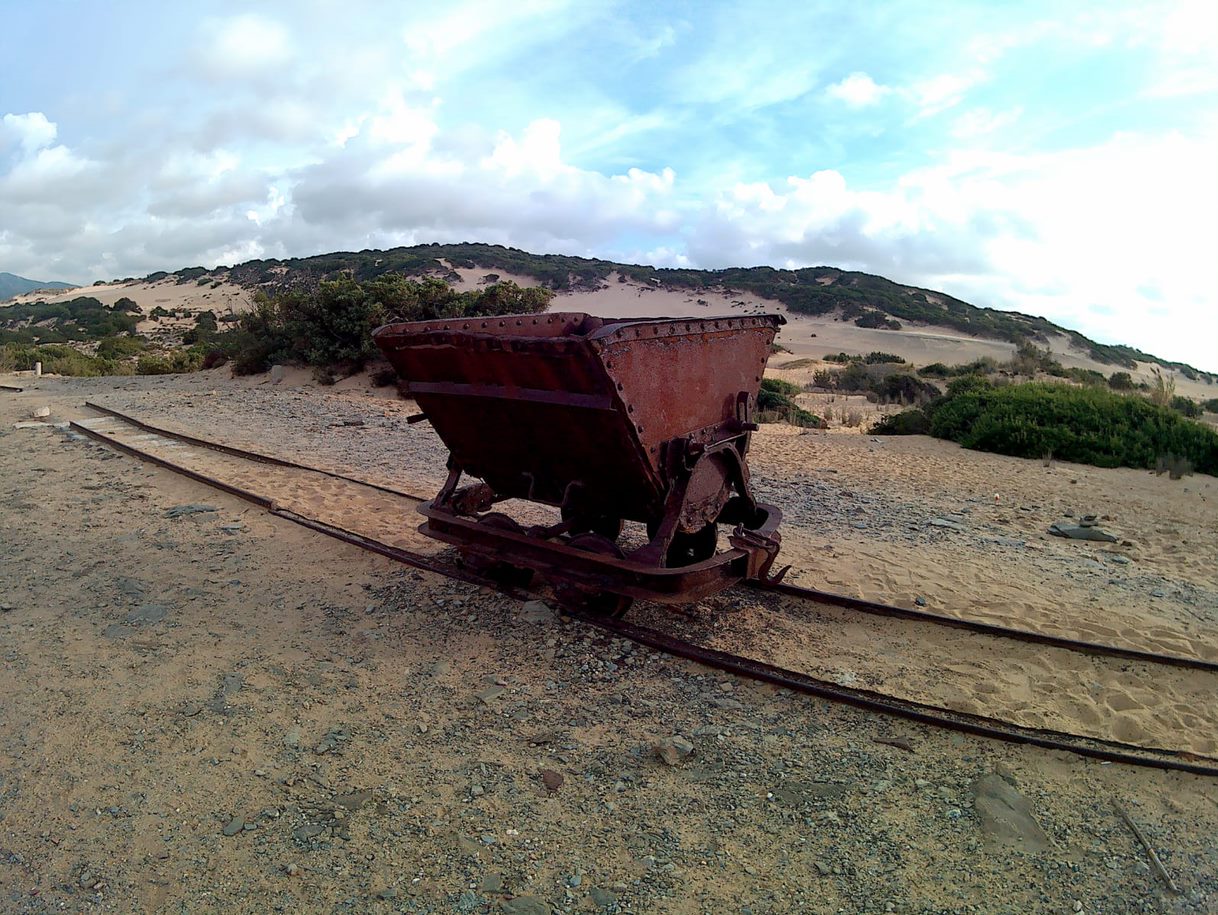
{"type": "Point", "coordinates": [774, 405]}
{"type": "Point", "coordinates": [878, 358]}
{"type": "Point", "coordinates": [1120, 381]}
{"type": "Point", "coordinates": [1211, 405]}
{"type": "Point", "coordinates": [1086, 425]}
{"type": "Point", "coordinates": [778, 386]}
{"type": "Point", "coordinates": [901, 387]}
{"type": "Point", "coordinates": [332, 326]}
{"type": "Point", "coordinates": [877, 319]}
{"type": "Point", "coordinates": [910, 422]}
{"type": "Point", "coordinates": [169, 363]}
{"type": "Point", "coordinates": [120, 347]}
{"type": "Point", "coordinates": [58, 359]}
{"type": "Point", "coordinates": [1185, 406]}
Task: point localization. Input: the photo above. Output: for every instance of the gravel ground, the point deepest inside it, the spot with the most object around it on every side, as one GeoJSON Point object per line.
{"type": "Point", "coordinates": [221, 711]}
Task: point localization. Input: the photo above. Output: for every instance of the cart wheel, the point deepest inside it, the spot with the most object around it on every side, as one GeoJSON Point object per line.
{"type": "Point", "coordinates": [502, 573]}
{"type": "Point", "coordinates": [606, 526]}
{"type": "Point", "coordinates": [584, 601]}
{"type": "Point", "coordinates": [687, 549]}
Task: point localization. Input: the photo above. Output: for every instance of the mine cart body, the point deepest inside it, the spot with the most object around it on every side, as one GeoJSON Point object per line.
{"type": "Point", "coordinates": [608, 419]}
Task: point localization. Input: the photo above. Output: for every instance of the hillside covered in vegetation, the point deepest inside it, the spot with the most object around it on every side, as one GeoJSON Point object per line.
{"type": "Point", "coordinates": [868, 301]}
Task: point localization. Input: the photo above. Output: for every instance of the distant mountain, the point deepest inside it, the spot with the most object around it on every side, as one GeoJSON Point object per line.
{"type": "Point", "coordinates": [868, 301]}
{"type": "Point", "coordinates": [11, 285]}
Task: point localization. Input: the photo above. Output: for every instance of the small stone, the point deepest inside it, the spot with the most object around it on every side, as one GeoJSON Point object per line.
{"type": "Point", "coordinates": [823, 869]}
{"type": "Point", "coordinates": [147, 613]}
{"type": "Point", "coordinates": [291, 870]}
{"type": "Point", "coordinates": [181, 511]}
{"type": "Point", "coordinates": [551, 779]}
{"type": "Point", "coordinates": [490, 694]}
{"type": "Point", "coordinates": [673, 750]}
{"type": "Point", "coordinates": [603, 898]}
{"type": "Point", "coordinates": [40, 413]}
{"type": "Point", "coordinates": [233, 826]}
{"type": "Point", "coordinates": [536, 611]}
{"type": "Point", "coordinates": [946, 523]}
{"type": "Point", "coordinates": [491, 883]}
{"type": "Point", "coordinates": [1005, 814]}
{"type": "Point", "coordinates": [525, 905]}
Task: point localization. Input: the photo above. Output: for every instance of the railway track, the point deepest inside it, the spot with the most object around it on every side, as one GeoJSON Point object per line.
{"type": "Point", "coordinates": [325, 501]}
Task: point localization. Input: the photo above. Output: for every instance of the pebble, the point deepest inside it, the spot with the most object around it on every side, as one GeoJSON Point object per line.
{"type": "Point", "coordinates": [233, 826]}
{"type": "Point", "coordinates": [673, 750]}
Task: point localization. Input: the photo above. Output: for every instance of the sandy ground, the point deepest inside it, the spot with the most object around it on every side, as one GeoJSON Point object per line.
{"type": "Point", "coordinates": [373, 737]}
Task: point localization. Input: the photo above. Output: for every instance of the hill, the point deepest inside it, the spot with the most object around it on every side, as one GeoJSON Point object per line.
{"type": "Point", "coordinates": [865, 300]}
{"type": "Point", "coordinates": [11, 285]}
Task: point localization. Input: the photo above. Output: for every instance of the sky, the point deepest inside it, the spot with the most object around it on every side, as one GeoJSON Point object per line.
{"type": "Point", "coordinates": [1059, 159]}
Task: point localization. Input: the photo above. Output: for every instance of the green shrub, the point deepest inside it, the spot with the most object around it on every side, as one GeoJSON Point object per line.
{"type": "Point", "coordinates": [169, 363]}
{"type": "Point", "coordinates": [58, 359]}
{"type": "Point", "coordinates": [909, 422]}
{"type": "Point", "coordinates": [332, 325]}
{"type": "Point", "coordinates": [120, 347]}
{"type": "Point", "coordinates": [774, 405]}
{"type": "Point", "coordinates": [1185, 406]}
{"type": "Point", "coordinates": [877, 319]}
{"type": "Point", "coordinates": [1120, 381]}
{"type": "Point", "coordinates": [1086, 425]}
{"type": "Point", "coordinates": [1211, 405]}
{"type": "Point", "coordinates": [878, 358]}
{"type": "Point", "coordinates": [901, 387]}
{"type": "Point", "coordinates": [778, 386]}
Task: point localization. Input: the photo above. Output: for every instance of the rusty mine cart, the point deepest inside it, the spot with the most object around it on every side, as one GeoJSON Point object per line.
{"type": "Point", "coordinates": [609, 420]}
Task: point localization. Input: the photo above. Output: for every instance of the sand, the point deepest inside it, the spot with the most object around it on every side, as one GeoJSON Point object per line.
{"type": "Point", "coordinates": [332, 701]}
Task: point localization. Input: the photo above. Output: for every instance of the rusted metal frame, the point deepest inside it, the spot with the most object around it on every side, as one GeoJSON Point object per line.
{"type": "Point", "coordinates": [502, 392]}
{"type": "Point", "coordinates": [591, 569]}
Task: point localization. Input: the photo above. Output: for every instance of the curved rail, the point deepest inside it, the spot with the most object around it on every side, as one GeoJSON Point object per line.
{"type": "Point", "coordinates": [1097, 649]}
{"type": "Point", "coordinates": [979, 725]}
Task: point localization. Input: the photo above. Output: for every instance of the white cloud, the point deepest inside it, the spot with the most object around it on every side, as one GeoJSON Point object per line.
{"type": "Point", "coordinates": [980, 122]}
{"type": "Point", "coordinates": [30, 132]}
{"type": "Point", "coordinates": [857, 90]}
{"type": "Point", "coordinates": [938, 93]}
{"type": "Point", "coordinates": [244, 46]}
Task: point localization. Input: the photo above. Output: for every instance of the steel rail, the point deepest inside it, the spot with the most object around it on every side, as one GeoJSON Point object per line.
{"type": "Point", "coordinates": [242, 453]}
{"type": "Point", "coordinates": [978, 725]}
{"type": "Point", "coordinates": [1082, 646]}
{"type": "Point", "coordinates": [1023, 635]}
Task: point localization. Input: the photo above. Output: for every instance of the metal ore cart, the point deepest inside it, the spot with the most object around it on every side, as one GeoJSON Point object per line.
{"type": "Point", "coordinates": [609, 420]}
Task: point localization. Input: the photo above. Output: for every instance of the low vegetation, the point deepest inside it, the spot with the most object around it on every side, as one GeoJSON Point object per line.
{"type": "Point", "coordinates": [83, 318]}
{"type": "Point", "coordinates": [1088, 425]}
{"type": "Point", "coordinates": [331, 327]}
{"type": "Point", "coordinates": [776, 404]}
